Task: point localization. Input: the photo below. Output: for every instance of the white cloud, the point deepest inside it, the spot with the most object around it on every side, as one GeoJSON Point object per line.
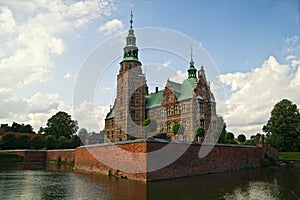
{"type": "Point", "coordinates": [111, 27]}
{"type": "Point", "coordinates": [90, 116]}
{"type": "Point", "coordinates": [295, 63]}
{"type": "Point", "coordinates": [291, 43]}
{"type": "Point", "coordinates": [33, 35]}
{"type": "Point", "coordinates": [7, 22]}
{"type": "Point", "coordinates": [67, 75]}
{"type": "Point", "coordinates": [290, 57]}
{"type": "Point", "coordinates": [179, 77]}
{"type": "Point", "coordinates": [255, 93]}
{"type": "Point", "coordinates": [167, 63]}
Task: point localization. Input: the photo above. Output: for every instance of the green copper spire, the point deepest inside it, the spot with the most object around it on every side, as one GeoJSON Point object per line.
{"type": "Point", "coordinates": [130, 50]}
{"type": "Point", "coordinates": [192, 71]}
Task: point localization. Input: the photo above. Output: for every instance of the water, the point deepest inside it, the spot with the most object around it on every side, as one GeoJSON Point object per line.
{"type": "Point", "coordinates": [37, 181]}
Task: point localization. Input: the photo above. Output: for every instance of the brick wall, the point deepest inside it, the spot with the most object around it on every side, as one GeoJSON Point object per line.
{"type": "Point", "coordinates": [90, 159]}
{"type": "Point", "coordinates": [66, 155]}
{"type": "Point", "coordinates": [43, 155]}
{"type": "Point", "coordinates": [221, 158]}
{"type": "Point", "coordinates": [29, 155]}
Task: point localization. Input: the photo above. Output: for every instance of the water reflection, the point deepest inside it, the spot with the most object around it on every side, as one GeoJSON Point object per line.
{"type": "Point", "coordinates": [60, 182]}
{"type": "Point", "coordinates": [263, 183]}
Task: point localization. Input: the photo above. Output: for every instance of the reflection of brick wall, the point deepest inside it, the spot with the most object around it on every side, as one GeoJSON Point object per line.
{"type": "Point", "coordinates": [221, 158]}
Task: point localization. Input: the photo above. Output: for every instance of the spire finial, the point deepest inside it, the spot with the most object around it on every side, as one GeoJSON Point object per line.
{"type": "Point", "coordinates": [191, 54]}
{"type": "Point", "coordinates": [192, 61]}
{"type": "Point", "coordinates": [131, 21]}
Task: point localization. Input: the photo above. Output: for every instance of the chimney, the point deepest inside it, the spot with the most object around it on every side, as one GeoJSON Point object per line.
{"type": "Point", "coordinates": [156, 89]}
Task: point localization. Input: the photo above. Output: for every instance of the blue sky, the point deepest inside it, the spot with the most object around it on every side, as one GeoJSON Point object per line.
{"type": "Point", "coordinates": [254, 44]}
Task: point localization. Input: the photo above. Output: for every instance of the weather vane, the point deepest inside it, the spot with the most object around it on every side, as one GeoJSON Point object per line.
{"type": "Point", "coordinates": [131, 21]}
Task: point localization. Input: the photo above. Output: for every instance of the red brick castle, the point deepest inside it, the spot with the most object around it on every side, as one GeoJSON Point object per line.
{"type": "Point", "coordinates": [191, 103]}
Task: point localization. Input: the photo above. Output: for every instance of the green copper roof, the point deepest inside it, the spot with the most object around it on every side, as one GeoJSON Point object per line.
{"type": "Point", "coordinates": [182, 92]}
{"type": "Point", "coordinates": [130, 59]}
{"type": "Point", "coordinates": [111, 114]}
{"type": "Point", "coordinates": [186, 89]}
{"type": "Point", "coordinates": [154, 99]}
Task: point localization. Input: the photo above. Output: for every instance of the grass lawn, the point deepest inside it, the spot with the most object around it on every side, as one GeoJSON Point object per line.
{"type": "Point", "coordinates": [289, 155]}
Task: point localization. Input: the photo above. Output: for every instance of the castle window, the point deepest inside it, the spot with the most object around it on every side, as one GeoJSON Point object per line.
{"type": "Point", "coordinates": [168, 98]}
{"type": "Point", "coordinates": [184, 124]}
{"type": "Point", "coordinates": [161, 127]}
{"type": "Point", "coordinates": [214, 125]}
{"type": "Point", "coordinates": [112, 134]}
{"type": "Point", "coordinates": [132, 114]}
{"type": "Point", "coordinates": [162, 112]}
{"type": "Point", "coordinates": [176, 109]}
{"type": "Point", "coordinates": [202, 123]}
{"type": "Point", "coordinates": [169, 127]}
{"type": "Point", "coordinates": [183, 108]}
{"type": "Point", "coordinates": [168, 111]}
{"type": "Point", "coordinates": [201, 107]}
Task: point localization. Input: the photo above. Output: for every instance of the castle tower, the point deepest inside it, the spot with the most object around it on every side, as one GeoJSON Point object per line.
{"type": "Point", "coordinates": [131, 91]}
{"type": "Point", "coordinates": [192, 71]}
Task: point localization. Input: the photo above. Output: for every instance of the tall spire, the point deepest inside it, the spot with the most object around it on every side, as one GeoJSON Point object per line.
{"type": "Point", "coordinates": [192, 71]}
{"type": "Point", "coordinates": [131, 21]}
{"type": "Point", "coordinates": [192, 62]}
{"type": "Point", "coordinates": [130, 50]}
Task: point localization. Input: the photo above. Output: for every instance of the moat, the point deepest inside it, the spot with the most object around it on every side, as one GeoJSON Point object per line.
{"type": "Point", "coordinates": [39, 181]}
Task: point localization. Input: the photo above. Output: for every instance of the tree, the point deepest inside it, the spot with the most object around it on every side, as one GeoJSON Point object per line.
{"type": "Point", "coordinates": [229, 136]}
{"type": "Point", "coordinates": [37, 142]}
{"type": "Point", "coordinates": [62, 142]}
{"type": "Point", "coordinates": [241, 138]}
{"type": "Point", "coordinates": [60, 124]}
{"type": "Point", "coordinates": [199, 132]}
{"type": "Point", "coordinates": [8, 141]}
{"type": "Point", "coordinates": [283, 126]}
{"type": "Point", "coordinates": [150, 125]}
{"type": "Point", "coordinates": [74, 142]}
{"type": "Point", "coordinates": [219, 133]}
{"type": "Point", "coordinates": [50, 142]}
{"type": "Point", "coordinates": [23, 142]}
{"type": "Point", "coordinates": [177, 128]}
{"type": "Point", "coordinates": [15, 127]}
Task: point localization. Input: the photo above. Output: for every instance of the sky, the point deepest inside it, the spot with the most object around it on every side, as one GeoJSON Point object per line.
{"type": "Point", "coordinates": [251, 47]}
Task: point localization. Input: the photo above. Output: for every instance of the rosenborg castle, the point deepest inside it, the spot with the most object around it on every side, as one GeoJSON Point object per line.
{"type": "Point", "coordinates": [190, 103]}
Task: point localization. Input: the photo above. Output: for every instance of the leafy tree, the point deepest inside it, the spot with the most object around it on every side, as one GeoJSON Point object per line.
{"type": "Point", "coordinates": [220, 132]}
{"type": "Point", "coordinates": [150, 125]}
{"type": "Point", "coordinates": [254, 139]}
{"type": "Point", "coordinates": [177, 128]}
{"type": "Point", "coordinates": [229, 136]}
{"type": "Point", "coordinates": [63, 142]}
{"type": "Point", "coordinates": [8, 141]}
{"type": "Point", "coordinates": [50, 142]}
{"type": "Point", "coordinates": [23, 142]}
{"type": "Point", "coordinates": [15, 127]}
{"type": "Point", "coordinates": [74, 142]}
{"type": "Point", "coordinates": [60, 124]}
{"type": "Point", "coordinates": [37, 142]}
{"type": "Point", "coordinates": [283, 126]}
{"type": "Point", "coordinates": [199, 132]}
{"type": "Point", "coordinates": [241, 138]}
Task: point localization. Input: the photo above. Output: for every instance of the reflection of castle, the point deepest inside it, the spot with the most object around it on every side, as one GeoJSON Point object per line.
{"type": "Point", "coordinates": [191, 103]}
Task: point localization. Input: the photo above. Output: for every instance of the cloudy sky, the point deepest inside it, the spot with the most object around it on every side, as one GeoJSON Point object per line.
{"type": "Point", "coordinates": [254, 45]}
